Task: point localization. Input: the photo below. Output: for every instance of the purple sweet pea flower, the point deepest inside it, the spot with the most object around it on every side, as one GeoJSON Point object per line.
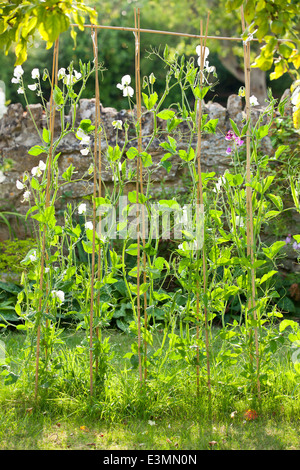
{"type": "Point", "coordinates": [238, 141]}
{"type": "Point", "coordinates": [296, 246]}
{"type": "Point", "coordinates": [288, 239]}
{"type": "Point", "coordinates": [230, 135]}
{"type": "Point", "coordinates": [228, 151]}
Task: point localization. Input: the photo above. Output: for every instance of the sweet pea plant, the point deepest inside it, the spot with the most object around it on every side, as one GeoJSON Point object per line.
{"type": "Point", "coordinates": [218, 238]}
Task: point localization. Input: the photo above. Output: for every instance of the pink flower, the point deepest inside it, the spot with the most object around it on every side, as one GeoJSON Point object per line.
{"type": "Point", "coordinates": [228, 151]}
{"type": "Point", "coordinates": [230, 135]}
{"type": "Point", "coordinates": [238, 141]}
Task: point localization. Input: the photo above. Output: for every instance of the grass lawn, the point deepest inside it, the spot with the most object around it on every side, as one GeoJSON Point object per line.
{"type": "Point", "coordinates": [168, 416]}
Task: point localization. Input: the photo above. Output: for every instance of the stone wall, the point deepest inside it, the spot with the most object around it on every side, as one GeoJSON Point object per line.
{"type": "Point", "coordinates": [18, 135]}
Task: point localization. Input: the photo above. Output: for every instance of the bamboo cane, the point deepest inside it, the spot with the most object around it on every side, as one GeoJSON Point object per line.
{"type": "Point", "coordinates": [47, 200]}
{"type": "Point", "coordinates": [200, 202]}
{"type": "Point", "coordinates": [140, 148]}
{"type": "Point", "coordinates": [250, 236]}
{"type": "Point", "coordinates": [167, 33]}
{"type": "Point", "coordinates": [97, 148]}
{"type": "Point", "coordinates": [138, 173]}
{"type": "Point", "coordinates": [94, 227]}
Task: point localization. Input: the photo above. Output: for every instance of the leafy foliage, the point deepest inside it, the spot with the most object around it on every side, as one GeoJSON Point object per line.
{"type": "Point", "coordinates": [20, 20]}
{"type": "Point", "coordinates": [273, 22]}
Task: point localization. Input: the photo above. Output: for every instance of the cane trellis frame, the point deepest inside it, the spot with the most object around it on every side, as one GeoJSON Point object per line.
{"type": "Point", "coordinates": [139, 185]}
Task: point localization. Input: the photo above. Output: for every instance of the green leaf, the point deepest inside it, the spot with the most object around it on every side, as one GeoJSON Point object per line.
{"type": "Point", "coordinates": [114, 153]}
{"type": "Point", "coordinates": [141, 197]}
{"type": "Point", "coordinates": [172, 124]}
{"type": "Point", "coordinates": [277, 201]}
{"type": "Point", "coordinates": [262, 131]}
{"type": "Point", "coordinates": [267, 182]}
{"type": "Point", "coordinates": [150, 101]}
{"type": "Point", "coordinates": [233, 4]}
{"type": "Point", "coordinates": [210, 126]}
{"type": "Point", "coordinates": [235, 128]}
{"type": "Point", "coordinates": [200, 92]}
{"type": "Point", "coordinates": [46, 135]}
{"type": "Point", "coordinates": [166, 114]}
{"type": "Point", "coordinates": [35, 184]}
{"type": "Point", "coordinates": [36, 150]}
{"type": "Point", "coordinates": [10, 287]}
{"type": "Point", "coordinates": [67, 175]}
{"type": "Point", "coordinates": [272, 250]}
{"type": "Point", "coordinates": [171, 146]}
{"type": "Point", "coordinates": [54, 23]}
{"type": "Point", "coordinates": [166, 52]}
{"type": "Point", "coordinates": [166, 165]}
{"type": "Point", "coordinates": [86, 125]}
{"type": "Point", "coordinates": [146, 159]}
{"type": "Point", "coordinates": [132, 153]}
{"type": "Point", "coordinates": [281, 149]}
{"type": "Point", "coordinates": [285, 50]}
{"type": "Point", "coordinates": [132, 249]}
{"type": "Point", "coordinates": [142, 288]}
{"type": "Point", "coordinates": [267, 276]}
{"type": "Point", "coordinates": [287, 305]}
{"type": "Point", "coordinates": [58, 96]}
{"type": "Point", "coordinates": [271, 214]}
{"type": "Point", "coordinates": [87, 246]}
{"type": "Point", "coordinates": [187, 157]}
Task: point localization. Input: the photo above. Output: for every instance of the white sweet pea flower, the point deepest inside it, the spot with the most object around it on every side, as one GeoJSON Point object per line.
{"type": "Point", "coordinates": [32, 87]}
{"type": "Point", "coordinates": [15, 80]}
{"type": "Point", "coordinates": [89, 225]}
{"type": "Point", "coordinates": [82, 209]}
{"type": "Point", "coordinates": [33, 256]}
{"type": "Point", "coordinates": [124, 86]}
{"type": "Point", "coordinates": [42, 165]}
{"type": "Point", "coordinates": [18, 72]}
{"type": "Point", "coordinates": [239, 222]}
{"type": "Point", "coordinates": [26, 196]}
{"type": "Point", "coordinates": [37, 170]}
{"type": "Point", "coordinates": [209, 68]}
{"type": "Point", "coordinates": [84, 151]}
{"type": "Point", "coordinates": [61, 73]}
{"type": "Point", "coordinates": [205, 52]}
{"type": "Point", "coordinates": [2, 177]}
{"type": "Point", "coordinates": [254, 101]}
{"type": "Point", "coordinates": [20, 185]}
{"type": "Point", "coordinates": [81, 135]}
{"type": "Point", "coordinates": [20, 90]}
{"type": "Point", "coordinates": [35, 74]}
{"type": "Point", "coordinates": [68, 79]}
{"type": "Point", "coordinates": [219, 183]}
{"type": "Point", "coordinates": [77, 75]}
{"type": "Point", "coordinates": [117, 124]}
{"type": "Point", "coordinates": [58, 294]}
